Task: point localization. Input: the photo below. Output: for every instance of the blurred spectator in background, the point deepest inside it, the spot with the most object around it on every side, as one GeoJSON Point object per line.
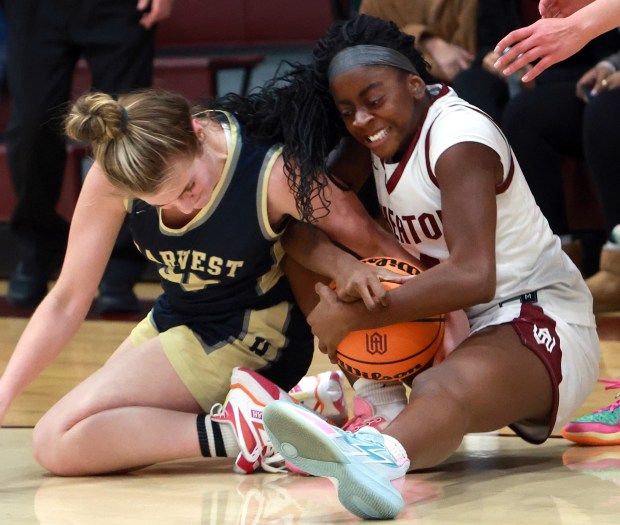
{"type": "Point", "coordinates": [487, 88]}
{"type": "Point", "coordinates": [45, 40]}
{"type": "Point", "coordinates": [481, 84]}
{"type": "Point", "coordinates": [572, 120]}
{"type": "Point", "coordinates": [444, 30]}
{"type": "Point", "coordinates": [2, 53]}
{"type": "Point", "coordinates": [566, 26]}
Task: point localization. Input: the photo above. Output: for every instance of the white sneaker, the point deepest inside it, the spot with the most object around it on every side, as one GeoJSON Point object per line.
{"type": "Point", "coordinates": [364, 463]}
{"type": "Point", "coordinates": [243, 411]}
{"type": "Point", "coordinates": [324, 394]}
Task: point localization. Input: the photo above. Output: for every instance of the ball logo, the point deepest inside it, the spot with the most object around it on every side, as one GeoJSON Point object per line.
{"type": "Point", "coordinates": [393, 264]}
{"type": "Point", "coordinates": [376, 343]}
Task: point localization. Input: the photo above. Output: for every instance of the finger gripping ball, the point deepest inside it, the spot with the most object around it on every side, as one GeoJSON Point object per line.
{"type": "Point", "coordinates": [396, 351]}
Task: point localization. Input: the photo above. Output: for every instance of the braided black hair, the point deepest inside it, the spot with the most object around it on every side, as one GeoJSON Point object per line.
{"type": "Point", "coordinates": [297, 109]}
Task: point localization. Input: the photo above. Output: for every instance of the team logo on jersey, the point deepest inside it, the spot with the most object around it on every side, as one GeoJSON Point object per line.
{"type": "Point", "coordinates": [543, 337]}
{"type": "Point", "coordinates": [414, 229]}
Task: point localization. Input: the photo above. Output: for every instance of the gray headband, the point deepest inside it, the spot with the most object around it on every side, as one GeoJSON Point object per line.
{"type": "Point", "coordinates": [367, 55]}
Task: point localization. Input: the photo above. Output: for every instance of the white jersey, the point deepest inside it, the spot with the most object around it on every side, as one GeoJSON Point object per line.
{"type": "Point", "coordinates": [529, 258]}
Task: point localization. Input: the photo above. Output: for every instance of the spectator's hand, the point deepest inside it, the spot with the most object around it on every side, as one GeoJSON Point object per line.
{"type": "Point", "coordinates": [560, 8]}
{"type": "Point", "coordinates": [449, 60]}
{"type": "Point", "coordinates": [550, 39]}
{"type": "Point", "coordinates": [488, 63]}
{"type": "Point", "coordinates": [595, 81]}
{"type": "Point", "coordinates": [159, 10]}
{"type": "Point", "coordinates": [611, 82]}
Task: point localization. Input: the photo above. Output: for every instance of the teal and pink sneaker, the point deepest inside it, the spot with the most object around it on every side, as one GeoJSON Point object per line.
{"type": "Point", "coordinates": [363, 464]}
{"type": "Point", "coordinates": [599, 428]}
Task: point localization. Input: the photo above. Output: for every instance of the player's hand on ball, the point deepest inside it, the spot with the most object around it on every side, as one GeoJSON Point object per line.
{"type": "Point", "coordinates": [363, 281]}
{"type": "Point", "coordinates": [328, 321]}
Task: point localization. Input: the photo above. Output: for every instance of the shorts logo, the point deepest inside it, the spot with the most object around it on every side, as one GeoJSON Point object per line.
{"type": "Point", "coordinates": [544, 337]}
{"type": "Point", "coordinates": [376, 343]}
{"type": "Point", "coordinates": [260, 346]}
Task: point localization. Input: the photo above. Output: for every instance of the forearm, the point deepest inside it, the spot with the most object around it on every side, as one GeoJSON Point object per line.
{"type": "Point", "coordinates": [47, 333]}
{"type": "Point", "coordinates": [444, 288]}
{"type": "Point", "coordinates": [376, 241]}
{"type": "Point", "coordinates": [597, 18]}
{"type": "Point", "coordinates": [314, 250]}
{"type": "Point", "coordinates": [349, 224]}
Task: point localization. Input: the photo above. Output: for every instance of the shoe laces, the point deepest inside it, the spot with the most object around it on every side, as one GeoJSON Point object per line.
{"type": "Point", "coordinates": [358, 422]}
{"type": "Point", "coordinates": [363, 416]}
{"type": "Point", "coordinates": [270, 460]}
{"type": "Point", "coordinates": [611, 384]}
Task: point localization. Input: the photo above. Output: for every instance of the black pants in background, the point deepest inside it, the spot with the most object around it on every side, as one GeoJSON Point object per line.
{"type": "Point", "coordinates": [45, 40]}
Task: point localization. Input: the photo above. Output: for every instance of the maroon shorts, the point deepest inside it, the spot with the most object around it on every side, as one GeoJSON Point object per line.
{"type": "Point", "coordinates": [537, 332]}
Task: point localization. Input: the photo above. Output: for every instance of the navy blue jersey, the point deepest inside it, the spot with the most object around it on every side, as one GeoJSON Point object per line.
{"type": "Point", "coordinates": [225, 259]}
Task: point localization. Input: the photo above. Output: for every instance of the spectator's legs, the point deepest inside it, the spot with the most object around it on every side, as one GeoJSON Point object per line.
{"type": "Point", "coordinates": [603, 158]}
{"type": "Point", "coordinates": [40, 65]}
{"type": "Point", "coordinates": [482, 89]}
{"type": "Point", "coordinates": [544, 127]}
{"type": "Point", "coordinates": [120, 55]}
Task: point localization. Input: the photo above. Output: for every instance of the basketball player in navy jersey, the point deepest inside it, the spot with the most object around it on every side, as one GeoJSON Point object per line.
{"type": "Point", "coordinates": [208, 199]}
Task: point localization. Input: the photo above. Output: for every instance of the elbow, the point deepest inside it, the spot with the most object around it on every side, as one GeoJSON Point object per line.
{"type": "Point", "coordinates": [478, 283]}
{"type": "Point", "coordinates": [484, 286]}
{"type": "Point", "coordinates": [486, 294]}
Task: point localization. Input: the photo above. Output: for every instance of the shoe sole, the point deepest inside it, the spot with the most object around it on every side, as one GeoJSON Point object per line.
{"type": "Point", "coordinates": [592, 439]}
{"type": "Point", "coordinates": [307, 447]}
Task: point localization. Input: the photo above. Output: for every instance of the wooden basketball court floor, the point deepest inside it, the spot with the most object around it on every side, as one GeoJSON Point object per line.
{"type": "Point", "coordinates": [492, 478]}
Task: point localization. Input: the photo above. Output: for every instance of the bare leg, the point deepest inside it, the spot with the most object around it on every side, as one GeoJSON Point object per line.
{"type": "Point", "coordinates": [132, 412]}
{"type": "Point", "coordinates": [490, 381]}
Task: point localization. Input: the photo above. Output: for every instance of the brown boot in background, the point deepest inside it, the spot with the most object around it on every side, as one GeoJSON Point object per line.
{"type": "Point", "coordinates": [605, 284]}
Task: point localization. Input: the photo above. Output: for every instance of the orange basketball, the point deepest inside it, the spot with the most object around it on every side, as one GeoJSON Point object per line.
{"type": "Point", "coordinates": [396, 351]}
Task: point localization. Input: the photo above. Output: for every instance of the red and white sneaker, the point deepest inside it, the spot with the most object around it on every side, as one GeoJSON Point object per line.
{"type": "Point", "coordinates": [324, 394]}
{"type": "Point", "coordinates": [243, 411]}
{"type": "Point", "coordinates": [364, 416]}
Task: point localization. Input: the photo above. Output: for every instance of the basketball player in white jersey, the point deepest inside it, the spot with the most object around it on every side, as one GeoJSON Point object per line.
{"type": "Point", "coordinates": [451, 190]}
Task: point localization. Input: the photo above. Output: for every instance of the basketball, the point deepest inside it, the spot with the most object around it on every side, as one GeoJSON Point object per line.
{"type": "Point", "coordinates": [395, 351]}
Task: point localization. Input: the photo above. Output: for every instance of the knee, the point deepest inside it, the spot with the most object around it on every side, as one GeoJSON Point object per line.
{"type": "Point", "coordinates": [444, 396]}
{"type": "Point", "coordinates": [49, 452]}
{"type": "Point", "coordinates": [44, 447]}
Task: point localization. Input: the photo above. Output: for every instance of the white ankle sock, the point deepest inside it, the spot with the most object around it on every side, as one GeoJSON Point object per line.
{"type": "Point", "coordinates": [217, 439]}
{"type": "Point", "coordinates": [388, 399]}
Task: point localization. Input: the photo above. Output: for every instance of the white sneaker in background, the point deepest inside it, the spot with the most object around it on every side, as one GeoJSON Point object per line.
{"type": "Point", "coordinates": [324, 394]}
